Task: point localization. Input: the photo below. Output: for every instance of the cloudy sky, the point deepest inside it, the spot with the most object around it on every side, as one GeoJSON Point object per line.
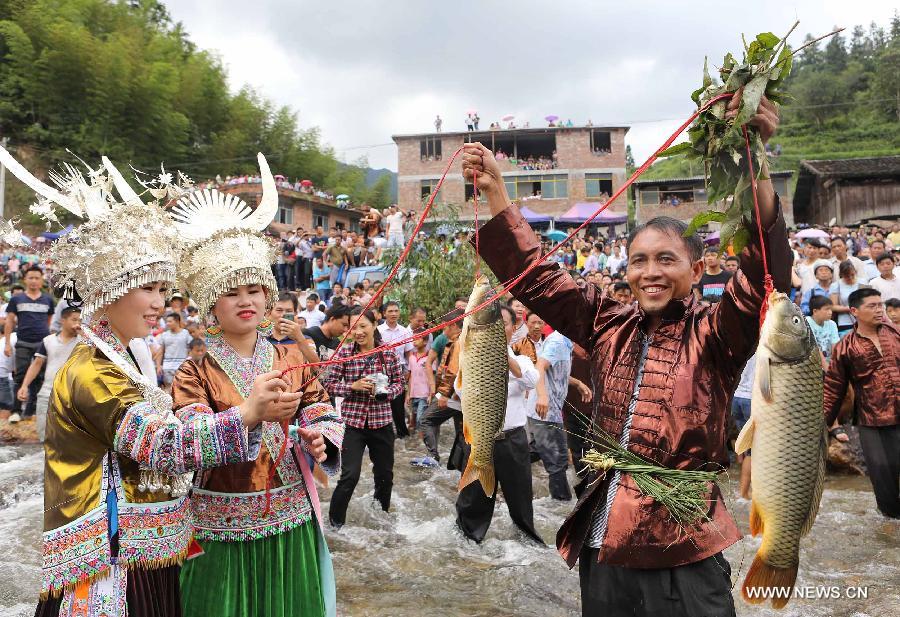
{"type": "Point", "coordinates": [364, 70]}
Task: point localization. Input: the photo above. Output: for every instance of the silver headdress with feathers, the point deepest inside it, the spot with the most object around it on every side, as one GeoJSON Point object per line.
{"type": "Point", "coordinates": [122, 244]}
{"type": "Point", "coordinates": [224, 244]}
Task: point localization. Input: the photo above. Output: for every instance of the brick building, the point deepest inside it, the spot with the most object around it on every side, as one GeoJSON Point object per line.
{"type": "Point", "coordinates": [296, 209]}
{"type": "Point", "coordinates": [547, 169]}
{"type": "Point", "coordinates": [684, 198]}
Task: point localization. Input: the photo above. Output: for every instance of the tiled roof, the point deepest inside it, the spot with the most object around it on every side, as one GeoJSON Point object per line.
{"type": "Point", "coordinates": [872, 167]}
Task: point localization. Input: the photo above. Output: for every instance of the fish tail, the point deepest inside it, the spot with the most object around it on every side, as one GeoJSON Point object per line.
{"type": "Point", "coordinates": [473, 473]}
{"type": "Point", "coordinates": [764, 581]}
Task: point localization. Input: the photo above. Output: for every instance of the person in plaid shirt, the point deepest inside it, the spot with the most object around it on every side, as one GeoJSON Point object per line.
{"type": "Point", "coordinates": [366, 414]}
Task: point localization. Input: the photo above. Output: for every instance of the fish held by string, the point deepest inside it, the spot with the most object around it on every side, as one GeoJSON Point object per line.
{"type": "Point", "coordinates": [789, 440]}
{"type": "Point", "coordinates": [482, 380]}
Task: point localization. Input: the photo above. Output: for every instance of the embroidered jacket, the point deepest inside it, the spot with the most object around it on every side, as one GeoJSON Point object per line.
{"type": "Point", "coordinates": [229, 503]}
{"type": "Point", "coordinates": [100, 434]}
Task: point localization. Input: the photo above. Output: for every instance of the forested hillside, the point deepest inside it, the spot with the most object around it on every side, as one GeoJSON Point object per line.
{"type": "Point", "coordinates": [845, 102]}
{"type": "Point", "coordinates": [120, 78]}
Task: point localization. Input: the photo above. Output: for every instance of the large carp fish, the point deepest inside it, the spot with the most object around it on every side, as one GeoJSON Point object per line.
{"type": "Point", "coordinates": [482, 380]}
{"type": "Point", "coordinates": [789, 443]}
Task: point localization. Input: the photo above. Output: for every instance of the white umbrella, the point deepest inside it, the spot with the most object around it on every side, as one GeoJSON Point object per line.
{"type": "Point", "coordinates": [812, 232]}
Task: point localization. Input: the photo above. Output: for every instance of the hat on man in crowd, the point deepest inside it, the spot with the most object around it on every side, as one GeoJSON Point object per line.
{"type": "Point", "coordinates": [821, 263]}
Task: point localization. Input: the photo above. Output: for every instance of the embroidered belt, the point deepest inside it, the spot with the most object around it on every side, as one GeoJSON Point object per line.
{"type": "Point", "coordinates": [75, 552]}
{"type": "Point", "coordinates": [154, 535]}
{"type": "Point", "coordinates": [235, 517]}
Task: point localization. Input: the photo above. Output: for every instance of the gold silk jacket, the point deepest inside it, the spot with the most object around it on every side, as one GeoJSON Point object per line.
{"type": "Point", "coordinates": [101, 433]}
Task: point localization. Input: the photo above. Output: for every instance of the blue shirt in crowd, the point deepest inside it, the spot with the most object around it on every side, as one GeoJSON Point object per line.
{"type": "Point", "coordinates": [32, 316]}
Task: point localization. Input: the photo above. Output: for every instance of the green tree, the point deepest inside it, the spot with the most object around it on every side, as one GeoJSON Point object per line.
{"type": "Point", "coordinates": [379, 194]}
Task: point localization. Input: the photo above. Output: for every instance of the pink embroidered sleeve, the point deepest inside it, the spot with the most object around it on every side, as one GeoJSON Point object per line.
{"type": "Point", "coordinates": [171, 446]}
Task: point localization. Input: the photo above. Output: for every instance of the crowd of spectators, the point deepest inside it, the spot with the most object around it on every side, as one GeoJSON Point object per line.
{"type": "Point", "coordinates": [301, 186]}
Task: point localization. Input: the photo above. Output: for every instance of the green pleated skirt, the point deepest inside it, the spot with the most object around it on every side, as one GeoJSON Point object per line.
{"type": "Point", "coordinates": [276, 576]}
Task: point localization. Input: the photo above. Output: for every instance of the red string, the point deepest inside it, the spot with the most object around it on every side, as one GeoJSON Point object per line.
{"type": "Point", "coordinates": [504, 287]}
{"type": "Point", "coordinates": [768, 283]}
{"type": "Point", "coordinates": [477, 251]}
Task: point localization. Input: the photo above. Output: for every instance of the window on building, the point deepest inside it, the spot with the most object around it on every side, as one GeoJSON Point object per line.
{"type": "Point", "coordinates": [430, 149]}
{"type": "Point", "coordinates": [601, 142]}
{"type": "Point", "coordinates": [650, 196]}
{"type": "Point", "coordinates": [597, 185]}
{"type": "Point", "coordinates": [320, 220]}
{"type": "Point", "coordinates": [426, 188]}
{"type": "Point", "coordinates": [551, 186]}
{"type": "Point", "coordinates": [285, 214]}
{"type": "Point", "coordinates": [555, 186]}
{"type": "Point", "coordinates": [470, 191]}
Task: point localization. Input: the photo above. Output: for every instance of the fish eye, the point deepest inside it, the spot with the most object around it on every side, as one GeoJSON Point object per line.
{"type": "Point", "coordinates": [796, 320]}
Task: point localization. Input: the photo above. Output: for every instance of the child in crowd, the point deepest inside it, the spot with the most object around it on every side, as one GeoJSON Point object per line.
{"type": "Point", "coordinates": [823, 328]}
{"type": "Point", "coordinates": [420, 380]}
{"type": "Point", "coordinates": [892, 306]}
{"type": "Point", "coordinates": [196, 350]}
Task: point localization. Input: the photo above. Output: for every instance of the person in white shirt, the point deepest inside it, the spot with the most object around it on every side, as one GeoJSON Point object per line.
{"type": "Point", "coordinates": [876, 250]}
{"type": "Point", "coordinates": [391, 331]}
{"type": "Point", "coordinates": [887, 282]}
{"type": "Point", "coordinates": [313, 316]}
{"type": "Point", "coordinates": [740, 411]}
{"type": "Point", "coordinates": [805, 270]}
{"type": "Point", "coordinates": [395, 228]}
{"type": "Point", "coordinates": [839, 254]}
{"type": "Point", "coordinates": [512, 461]}
{"type": "Point", "coordinates": [53, 352]}
{"type": "Point", "coordinates": [521, 330]}
{"type": "Point", "coordinates": [615, 262]}
{"type": "Point", "coordinates": [173, 343]}
{"type": "Point", "coordinates": [7, 385]}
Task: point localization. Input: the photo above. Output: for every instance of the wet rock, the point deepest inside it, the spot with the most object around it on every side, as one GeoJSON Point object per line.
{"type": "Point", "coordinates": [846, 456]}
{"type": "Point", "coordinates": [19, 432]}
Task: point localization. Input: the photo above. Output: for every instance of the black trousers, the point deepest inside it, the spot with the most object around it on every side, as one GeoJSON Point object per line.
{"type": "Point", "coordinates": [881, 449]}
{"type": "Point", "coordinates": [398, 411]}
{"type": "Point", "coordinates": [303, 272]}
{"type": "Point", "coordinates": [431, 426]}
{"type": "Point", "coordinates": [512, 467]}
{"type": "Point", "coordinates": [24, 354]}
{"type": "Point", "coordinates": [380, 442]}
{"type": "Point", "coordinates": [700, 589]}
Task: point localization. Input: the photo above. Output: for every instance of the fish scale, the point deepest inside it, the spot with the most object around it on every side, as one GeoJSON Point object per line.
{"type": "Point", "coordinates": [483, 379]}
{"type": "Point", "coordinates": [789, 444]}
{"type": "Point", "coordinates": [786, 449]}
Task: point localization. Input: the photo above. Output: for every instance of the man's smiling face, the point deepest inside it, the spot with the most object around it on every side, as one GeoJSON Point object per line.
{"type": "Point", "coordinates": [660, 269]}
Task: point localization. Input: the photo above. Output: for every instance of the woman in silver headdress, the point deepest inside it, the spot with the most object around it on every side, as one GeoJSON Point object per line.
{"type": "Point", "coordinates": [258, 522]}
{"type": "Point", "coordinates": [116, 521]}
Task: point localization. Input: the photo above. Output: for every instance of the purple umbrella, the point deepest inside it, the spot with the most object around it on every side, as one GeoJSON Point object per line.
{"type": "Point", "coordinates": [712, 238]}
{"type": "Point", "coordinates": [551, 118]}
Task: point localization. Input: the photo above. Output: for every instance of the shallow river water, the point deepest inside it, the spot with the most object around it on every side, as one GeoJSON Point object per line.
{"type": "Point", "coordinates": [412, 562]}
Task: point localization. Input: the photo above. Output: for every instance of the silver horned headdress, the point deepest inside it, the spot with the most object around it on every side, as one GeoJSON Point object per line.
{"type": "Point", "coordinates": [123, 243]}
{"type": "Point", "coordinates": [224, 244]}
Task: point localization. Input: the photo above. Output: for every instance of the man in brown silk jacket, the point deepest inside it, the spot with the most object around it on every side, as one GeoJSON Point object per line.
{"type": "Point", "coordinates": [663, 370]}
